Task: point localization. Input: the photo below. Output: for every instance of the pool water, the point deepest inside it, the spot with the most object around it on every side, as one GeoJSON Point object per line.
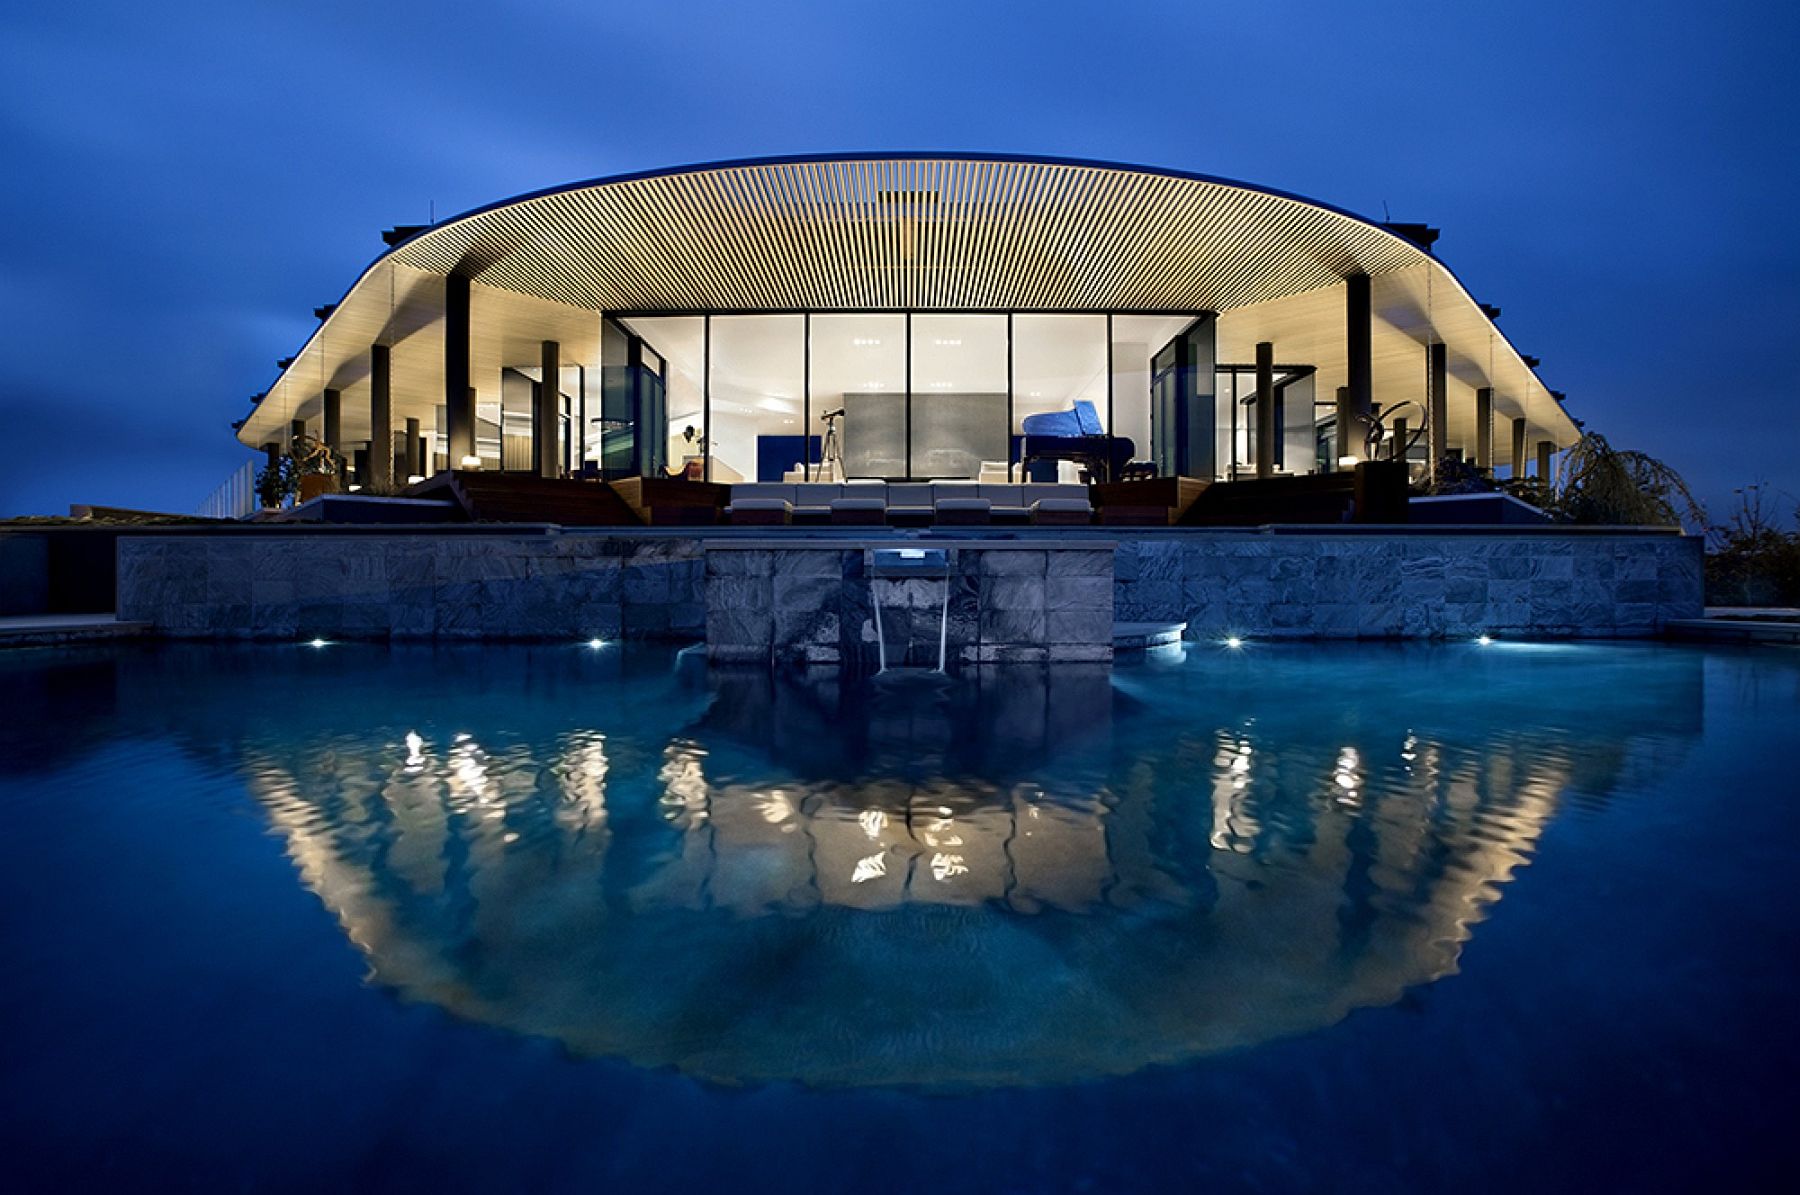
{"type": "Point", "coordinates": [576, 917]}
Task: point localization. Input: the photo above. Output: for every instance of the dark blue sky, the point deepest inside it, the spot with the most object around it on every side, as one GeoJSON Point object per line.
{"type": "Point", "coordinates": [185, 181]}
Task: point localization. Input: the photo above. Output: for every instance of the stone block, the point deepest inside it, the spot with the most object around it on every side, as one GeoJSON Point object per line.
{"type": "Point", "coordinates": [1288, 569]}
{"type": "Point", "coordinates": [1078, 562]}
{"type": "Point", "coordinates": [1149, 601]}
{"type": "Point", "coordinates": [1159, 560]}
{"type": "Point", "coordinates": [1078, 626]}
{"type": "Point", "coordinates": [740, 592]}
{"type": "Point", "coordinates": [1337, 620]}
{"type": "Point", "coordinates": [800, 562]}
{"type": "Point", "coordinates": [1420, 567]}
{"type": "Point", "coordinates": [411, 620]}
{"type": "Point", "coordinates": [1290, 616]}
{"type": "Point", "coordinates": [228, 586]}
{"type": "Point", "coordinates": [1010, 562]}
{"type": "Point", "coordinates": [647, 621]}
{"type": "Point", "coordinates": [1003, 626]}
{"type": "Point", "coordinates": [1012, 592]}
{"type": "Point", "coordinates": [645, 584]}
{"type": "Point", "coordinates": [1079, 653]}
{"type": "Point", "coordinates": [1078, 592]}
{"type": "Point", "coordinates": [740, 563]}
{"type": "Point", "coordinates": [1467, 591]}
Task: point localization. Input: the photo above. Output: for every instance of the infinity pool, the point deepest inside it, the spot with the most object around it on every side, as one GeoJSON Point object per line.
{"type": "Point", "coordinates": [1275, 918]}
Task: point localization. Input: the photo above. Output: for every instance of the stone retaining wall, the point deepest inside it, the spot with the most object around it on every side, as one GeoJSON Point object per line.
{"type": "Point", "coordinates": [1599, 584]}
{"type": "Point", "coordinates": [414, 586]}
{"type": "Point", "coordinates": [808, 599]}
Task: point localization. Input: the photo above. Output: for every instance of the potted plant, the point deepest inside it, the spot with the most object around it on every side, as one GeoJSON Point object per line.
{"type": "Point", "coordinates": [317, 465]}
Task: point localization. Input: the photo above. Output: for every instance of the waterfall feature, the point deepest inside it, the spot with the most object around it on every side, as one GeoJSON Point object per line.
{"type": "Point", "coordinates": [899, 565]}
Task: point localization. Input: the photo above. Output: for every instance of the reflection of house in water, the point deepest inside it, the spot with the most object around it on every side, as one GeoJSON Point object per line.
{"type": "Point", "coordinates": [1028, 879]}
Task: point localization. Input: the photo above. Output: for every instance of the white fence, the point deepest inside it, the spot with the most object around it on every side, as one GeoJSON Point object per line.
{"type": "Point", "coordinates": [235, 498]}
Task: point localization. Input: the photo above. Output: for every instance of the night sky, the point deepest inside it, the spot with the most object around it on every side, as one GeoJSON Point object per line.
{"type": "Point", "coordinates": [185, 182]}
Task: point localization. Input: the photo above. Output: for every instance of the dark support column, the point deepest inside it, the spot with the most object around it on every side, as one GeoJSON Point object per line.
{"type": "Point", "coordinates": [1518, 448]}
{"type": "Point", "coordinates": [272, 453]}
{"type": "Point", "coordinates": [579, 452]}
{"type": "Point", "coordinates": [334, 427]}
{"type": "Point", "coordinates": [1484, 428]}
{"type": "Point", "coordinates": [546, 410]}
{"type": "Point", "coordinates": [360, 462]}
{"type": "Point", "coordinates": [1266, 431]}
{"type": "Point", "coordinates": [381, 417]}
{"type": "Point", "coordinates": [459, 396]}
{"type": "Point", "coordinates": [1358, 318]}
{"type": "Point", "coordinates": [1438, 405]}
{"type": "Point", "coordinates": [1544, 449]}
{"type": "Point", "coordinates": [296, 429]}
{"type": "Point", "coordinates": [415, 450]}
{"type": "Point", "coordinates": [1347, 444]}
{"type": "Point", "coordinates": [1397, 449]}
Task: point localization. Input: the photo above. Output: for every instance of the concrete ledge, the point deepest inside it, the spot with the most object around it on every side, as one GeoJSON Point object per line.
{"type": "Point", "coordinates": [46, 630]}
{"type": "Point", "coordinates": [1733, 630]}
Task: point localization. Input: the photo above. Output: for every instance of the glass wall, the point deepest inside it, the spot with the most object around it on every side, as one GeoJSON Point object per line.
{"type": "Point", "coordinates": [1162, 393]}
{"type": "Point", "coordinates": [883, 395]}
{"type": "Point", "coordinates": [858, 389]}
{"type": "Point", "coordinates": [1297, 417]}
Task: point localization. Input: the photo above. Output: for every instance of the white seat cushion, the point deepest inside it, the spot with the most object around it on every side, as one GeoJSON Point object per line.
{"type": "Point", "coordinates": [781, 504]}
{"type": "Point", "coordinates": [1062, 506]}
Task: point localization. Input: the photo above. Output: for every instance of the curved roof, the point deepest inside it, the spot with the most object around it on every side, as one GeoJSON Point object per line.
{"type": "Point", "coordinates": [920, 231]}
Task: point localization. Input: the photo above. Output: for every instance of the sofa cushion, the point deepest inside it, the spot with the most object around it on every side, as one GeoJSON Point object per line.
{"type": "Point", "coordinates": [762, 489]}
{"type": "Point", "coordinates": [817, 493]}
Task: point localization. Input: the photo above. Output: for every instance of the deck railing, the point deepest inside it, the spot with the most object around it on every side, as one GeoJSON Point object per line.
{"type": "Point", "coordinates": [235, 498]}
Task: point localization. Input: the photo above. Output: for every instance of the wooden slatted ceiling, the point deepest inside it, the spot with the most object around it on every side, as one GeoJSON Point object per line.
{"type": "Point", "coordinates": [920, 234]}
{"type": "Point", "coordinates": [895, 234]}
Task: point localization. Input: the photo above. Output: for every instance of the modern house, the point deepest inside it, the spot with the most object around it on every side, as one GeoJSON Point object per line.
{"type": "Point", "coordinates": [1038, 410]}
{"type": "Point", "coordinates": [909, 317]}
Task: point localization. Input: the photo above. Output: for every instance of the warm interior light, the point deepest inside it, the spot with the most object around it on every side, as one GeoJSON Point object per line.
{"type": "Point", "coordinates": [471, 462]}
{"type": "Point", "coordinates": [414, 478]}
{"type": "Point", "coordinates": [1346, 462]}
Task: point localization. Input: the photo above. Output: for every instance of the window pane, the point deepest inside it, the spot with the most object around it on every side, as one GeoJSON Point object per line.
{"type": "Point", "coordinates": [678, 342]}
{"type": "Point", "coordinates": [958, 395]}
{"type": "Point", "coordinates": [859, 368]}
{"type": "Point", "coordinates": [758, 381]}
{"type": "Point", "coordinates": [1137, 339]}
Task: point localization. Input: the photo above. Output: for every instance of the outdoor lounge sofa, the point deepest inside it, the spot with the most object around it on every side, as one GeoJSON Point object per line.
{"type": "Point", "coordinates": [912, 503]}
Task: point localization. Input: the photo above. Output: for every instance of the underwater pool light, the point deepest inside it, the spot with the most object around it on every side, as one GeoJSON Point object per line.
{"type": "Point", "coordinates": [1233, 641]}
{"type": "Point", "coordinates": [319, 643]}
{"type": "Point", "coordinates": [1484, 640]}
{"type": "Point", "coordinates": [596, 643]}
